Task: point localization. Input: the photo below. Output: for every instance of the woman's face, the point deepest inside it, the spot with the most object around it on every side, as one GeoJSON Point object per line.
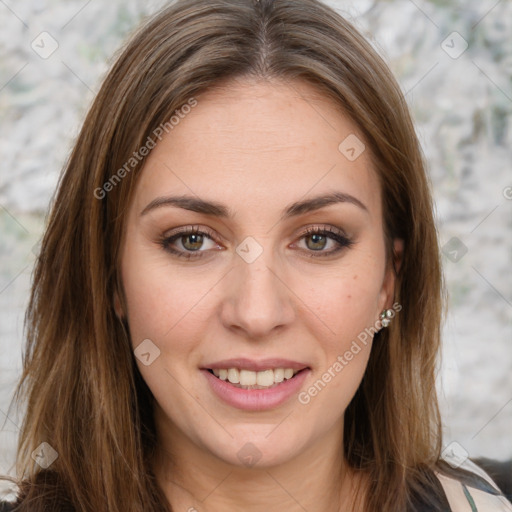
{"type": "Point", "coordinates": [258, 292]}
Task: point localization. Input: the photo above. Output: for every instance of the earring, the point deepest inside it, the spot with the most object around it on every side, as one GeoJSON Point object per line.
{"type": "Point", "coordinates": [386, 316]}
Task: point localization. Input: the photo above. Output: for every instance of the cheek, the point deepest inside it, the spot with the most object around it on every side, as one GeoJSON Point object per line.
{"type": "Point", "coordinates": [347, 306]}
{"type": "Point", "coordinates": [164, 298]}
{"type": "Point", "coordinates": [156, 296]}
{"type": "Point", "coordinates": [346, 299]}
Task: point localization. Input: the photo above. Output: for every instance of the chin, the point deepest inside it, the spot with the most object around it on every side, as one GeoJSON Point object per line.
{"type": "Point", "coordinates": [257, 450]}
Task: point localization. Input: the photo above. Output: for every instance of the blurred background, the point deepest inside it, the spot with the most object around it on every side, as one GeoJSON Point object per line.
{"type": "Point", "coordinates": [454, 63]}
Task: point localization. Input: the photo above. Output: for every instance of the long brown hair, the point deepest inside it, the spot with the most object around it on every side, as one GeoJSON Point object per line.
{"type": "Point", "coordinates": [84, 395]}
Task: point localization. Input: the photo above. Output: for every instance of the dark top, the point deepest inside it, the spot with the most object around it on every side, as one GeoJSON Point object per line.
{"type": "Point", "coordinates": [500, 472]}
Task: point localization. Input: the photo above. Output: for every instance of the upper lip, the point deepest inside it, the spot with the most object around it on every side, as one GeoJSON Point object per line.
{"type": "Point", "coordinates": [254, 365]}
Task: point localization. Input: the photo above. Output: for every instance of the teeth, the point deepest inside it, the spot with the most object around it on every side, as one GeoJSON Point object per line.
{"type": "Point", "coordinates": [234, 376]}
{"type": "Point", "coordinates": [247, 378]}
{"type": "Point", "coordinates": [255, 380]}
{"type": "Point", "coordinates": [265, 378]}
{"type": "Point", "coordinates": [288, 373]}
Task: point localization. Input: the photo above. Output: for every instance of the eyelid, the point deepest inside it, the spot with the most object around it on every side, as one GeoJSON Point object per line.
{"type": "Point", "coordinates": [334, 233]}
{"type": "Point", "coordinates": [329, 228]}
{"type": "Point", "coordinates": [193, 228]}
{"type": "Point", "coordinates": [166, 239]}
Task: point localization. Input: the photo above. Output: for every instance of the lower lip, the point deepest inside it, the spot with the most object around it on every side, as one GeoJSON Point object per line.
{"type": "Point", "coordinates": [256, 399]}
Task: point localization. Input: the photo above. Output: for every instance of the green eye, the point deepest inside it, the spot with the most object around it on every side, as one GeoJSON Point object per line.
{"type": "Point", "coordinates": [192, 240]}
{"type": "Point", "coordinates": [320, 238]}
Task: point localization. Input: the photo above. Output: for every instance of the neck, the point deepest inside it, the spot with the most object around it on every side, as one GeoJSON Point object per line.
{"type": "Point", "coordinates": [195, 480]}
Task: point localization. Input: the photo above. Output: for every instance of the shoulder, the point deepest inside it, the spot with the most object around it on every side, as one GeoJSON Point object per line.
{"type": "Point", "coordinates": [469, 488]}
{"type": "Point", "coordinates": [44, 491]}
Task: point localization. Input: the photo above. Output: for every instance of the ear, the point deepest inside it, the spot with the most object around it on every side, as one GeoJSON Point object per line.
{"type": "Point", "coordinates": [393, 268]}
{"type": "Point", "coordinates": [118, 308]}
{"type": "Point", "coordinates": [398, 254]}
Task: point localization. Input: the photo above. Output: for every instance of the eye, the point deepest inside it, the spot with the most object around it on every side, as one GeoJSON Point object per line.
{"type": "Point", "coordinates": [320, 236]}
{"type": "Point", "coordinates": [191, 240]}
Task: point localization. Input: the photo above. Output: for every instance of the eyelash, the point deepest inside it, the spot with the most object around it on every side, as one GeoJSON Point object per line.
{"type": "Point", "coordinates": [341, 239]}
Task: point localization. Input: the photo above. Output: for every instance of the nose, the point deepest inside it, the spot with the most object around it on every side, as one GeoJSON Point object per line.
{"type": "Point", "coordinates": [258, 299]}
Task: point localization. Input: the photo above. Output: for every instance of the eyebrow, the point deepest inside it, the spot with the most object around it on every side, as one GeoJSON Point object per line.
{"type": "Point", "coordinates": [216, 209]}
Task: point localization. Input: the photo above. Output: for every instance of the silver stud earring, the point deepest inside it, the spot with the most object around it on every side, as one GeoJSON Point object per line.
{"type": "Point", "coordinates": [386, 316]}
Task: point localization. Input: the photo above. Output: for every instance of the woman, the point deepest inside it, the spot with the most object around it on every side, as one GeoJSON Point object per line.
{"type": "Point", "coordinates": [189, 349]}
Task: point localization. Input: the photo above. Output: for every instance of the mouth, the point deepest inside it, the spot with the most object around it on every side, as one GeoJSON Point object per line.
{"type": "Point", "coordinates": [252, 385]}
{"type": "Point", "coordinates": [249, 379]}
{"type": "Point", "coordinates": [255, 384]}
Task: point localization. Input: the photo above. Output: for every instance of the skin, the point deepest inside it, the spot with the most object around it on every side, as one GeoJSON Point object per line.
{"type": "Point", "coordinates": [255, 146]}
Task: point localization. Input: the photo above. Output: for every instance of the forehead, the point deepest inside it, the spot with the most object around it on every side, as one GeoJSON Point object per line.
{"type": "Point", "coordinates": [250, 143]}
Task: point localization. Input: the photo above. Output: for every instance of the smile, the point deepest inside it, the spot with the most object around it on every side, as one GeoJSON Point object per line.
{"type": "Point", "coordinates": [255, 385]}
{"type": "Point", "coordinates": [248, 379]}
